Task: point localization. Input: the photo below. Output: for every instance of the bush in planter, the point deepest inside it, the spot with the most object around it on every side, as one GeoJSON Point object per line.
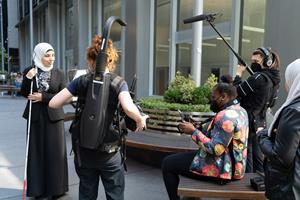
{"type": "Point", "coordinates": [183, 94]}
{"type": "Point", "coordinates": [201, 94]}
{"type": "Point", "coordinates": [180, 89]}
{"type": "Point", "coordinates": [159, 103]}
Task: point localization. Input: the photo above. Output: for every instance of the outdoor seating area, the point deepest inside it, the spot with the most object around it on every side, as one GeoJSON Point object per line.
{"type": "Point", "coordinates": [10, 89]}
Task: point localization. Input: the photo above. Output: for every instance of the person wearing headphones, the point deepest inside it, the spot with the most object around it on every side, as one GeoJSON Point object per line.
{"type": "Point", "coordinates": [256, 94]}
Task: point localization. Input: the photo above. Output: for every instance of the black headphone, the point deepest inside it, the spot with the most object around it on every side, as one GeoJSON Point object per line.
{"type": "Point", "coordinates": [268, 58]}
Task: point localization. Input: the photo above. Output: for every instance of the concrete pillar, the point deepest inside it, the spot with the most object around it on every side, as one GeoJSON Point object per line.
{"type": "Point", "coordinates": [236, 29]}
{"type": "Point", "coordinates": [197, 43]}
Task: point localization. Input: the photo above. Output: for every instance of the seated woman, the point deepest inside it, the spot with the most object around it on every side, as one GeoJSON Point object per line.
{"type": "Point", "coordinates": [222, 149]}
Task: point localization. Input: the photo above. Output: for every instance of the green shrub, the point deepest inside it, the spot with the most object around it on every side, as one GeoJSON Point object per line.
{"type": "Point", "coordinates": [202, 94]}
{"type": "Point", "coordinates": [155, 103]}
{"type": "Point", "coordinates": [183, 94]}
{"type": "Point", "coordinates": [183, 90]}
{"type": "Point", "coordinates": [180, 90]}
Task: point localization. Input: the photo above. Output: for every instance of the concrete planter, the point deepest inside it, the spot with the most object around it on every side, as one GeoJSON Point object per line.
{"type": "Point", "coordinates": [166, 121]}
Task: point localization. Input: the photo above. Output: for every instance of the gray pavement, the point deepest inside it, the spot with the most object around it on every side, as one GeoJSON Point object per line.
{"type": "Point", "coordinates": [142, 181]}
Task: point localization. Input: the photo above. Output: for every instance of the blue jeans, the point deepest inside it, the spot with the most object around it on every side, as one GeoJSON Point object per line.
{"type": "Point", "coordinates": [111, 173]}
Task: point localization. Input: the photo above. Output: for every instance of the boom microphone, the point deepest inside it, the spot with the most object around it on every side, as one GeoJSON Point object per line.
{"type": "Point", "coordinates": [199, 18]}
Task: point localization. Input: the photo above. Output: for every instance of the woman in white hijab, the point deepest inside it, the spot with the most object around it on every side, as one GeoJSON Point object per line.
{"type": "Point", "coordinates": [47, 170]}
{"type": "Point", "coordinates": [281, 143]}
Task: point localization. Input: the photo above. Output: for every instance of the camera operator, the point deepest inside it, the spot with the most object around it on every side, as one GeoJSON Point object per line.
{"type": "Point", "coordinates": [256, 94]}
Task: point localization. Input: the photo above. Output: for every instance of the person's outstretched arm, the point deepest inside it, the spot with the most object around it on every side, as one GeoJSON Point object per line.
{"type": "Point", "coordinates": [132, 111]}
{"type": "Point", "coordinates": [61, 98]}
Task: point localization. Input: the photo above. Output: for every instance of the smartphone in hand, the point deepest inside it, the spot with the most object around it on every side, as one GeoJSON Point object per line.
{"type": "Point", "coordinates": [184, 117]}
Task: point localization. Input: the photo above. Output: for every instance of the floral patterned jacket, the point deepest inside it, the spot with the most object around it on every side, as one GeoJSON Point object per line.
{"type": "Point", "coordinates": [227, 132]}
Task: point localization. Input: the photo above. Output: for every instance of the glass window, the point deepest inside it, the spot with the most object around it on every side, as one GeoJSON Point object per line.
{"type": "Point", "coordinates": [113, 8]}
{"type": "Point", "coordinates": [253, 27]}
{"type": "Point", "coordinates": [215, 54]}
{"type": "Point", "coordinates": [161, 55]}
{"type": "Point", "coordinates": [221, 8]}
{"type": "Point", "coordinates": [69, 25]}
{"type": "Point", "coordinates": [185, 10]}
{"type": "Point", "coordinates": [183, 58]}
{"type": "Point", "coordinates": [95, 20]}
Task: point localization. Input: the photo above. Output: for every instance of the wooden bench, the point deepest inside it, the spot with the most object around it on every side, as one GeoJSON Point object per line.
{"type": "Point", "coordinates": [168, 143]}
{"type": "Point", "coordinates": [9, 88]}
{"type": "Point", "coordinates": [151, 147]}
{"type": "Point", "coordinates": [239, 189]}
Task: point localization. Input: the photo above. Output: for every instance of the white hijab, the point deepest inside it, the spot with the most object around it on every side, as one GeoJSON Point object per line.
{"type": "Point", "coordinates": [39, 52]}
{"type": "Point", "coordinates": [292, 80]}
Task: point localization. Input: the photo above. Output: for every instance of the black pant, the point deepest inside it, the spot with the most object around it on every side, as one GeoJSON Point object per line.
{"type": "Point", "coordinates": [173, 166]}
{"type": "Point", "coordinates": [112, 176]}
{"type": "Point", "coordinates": [254, 155]}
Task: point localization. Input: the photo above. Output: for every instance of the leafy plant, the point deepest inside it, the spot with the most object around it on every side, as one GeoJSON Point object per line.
{"type": "Point", "coordinates": [202, 93]}
{"type": "Point", "coordinates": [180, 89]}
{"type": "Point", "coordinates": [183, 90]}
{"type": "Point", "coordinates": [155, 103]}
{"type": "Point", "coordinates": [183, 94]}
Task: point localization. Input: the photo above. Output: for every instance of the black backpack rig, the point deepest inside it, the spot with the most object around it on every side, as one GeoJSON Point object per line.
{"type": "Point", "coordinates": [89, 126]}
{"type": "Point", "coordinates": [116, 126]}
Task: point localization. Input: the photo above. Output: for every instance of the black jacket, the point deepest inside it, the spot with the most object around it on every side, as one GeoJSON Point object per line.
{"type": "Point", "coordinates": [57, 83]}
{"type": "Point", "coordinates": [256, 91]}
{"type": "Point", "coordinates": [282, 152]}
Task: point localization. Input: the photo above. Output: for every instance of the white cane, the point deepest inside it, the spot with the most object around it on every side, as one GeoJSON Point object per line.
{"type": "Point", "coordinates": [30, 102]}
{"type": "Point", "coordinates": [27, 144]}
{"type": "Point", "coordinates": [27, 141]}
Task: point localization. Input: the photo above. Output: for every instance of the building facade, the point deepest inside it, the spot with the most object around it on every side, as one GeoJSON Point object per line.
{"type": "Point", "coordinates": [155, 43]}
{"type": "Point", "coordinates": [12, 39]}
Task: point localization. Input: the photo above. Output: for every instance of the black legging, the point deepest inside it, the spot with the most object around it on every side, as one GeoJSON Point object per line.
{"type": "Point", "coordinates": [173, 166]}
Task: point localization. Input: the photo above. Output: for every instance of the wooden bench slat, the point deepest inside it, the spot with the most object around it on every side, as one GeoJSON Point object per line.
{"type": "Point", "coordinates": [239, 189]}
{"type": "Point", "coordinates": [160, 142]}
